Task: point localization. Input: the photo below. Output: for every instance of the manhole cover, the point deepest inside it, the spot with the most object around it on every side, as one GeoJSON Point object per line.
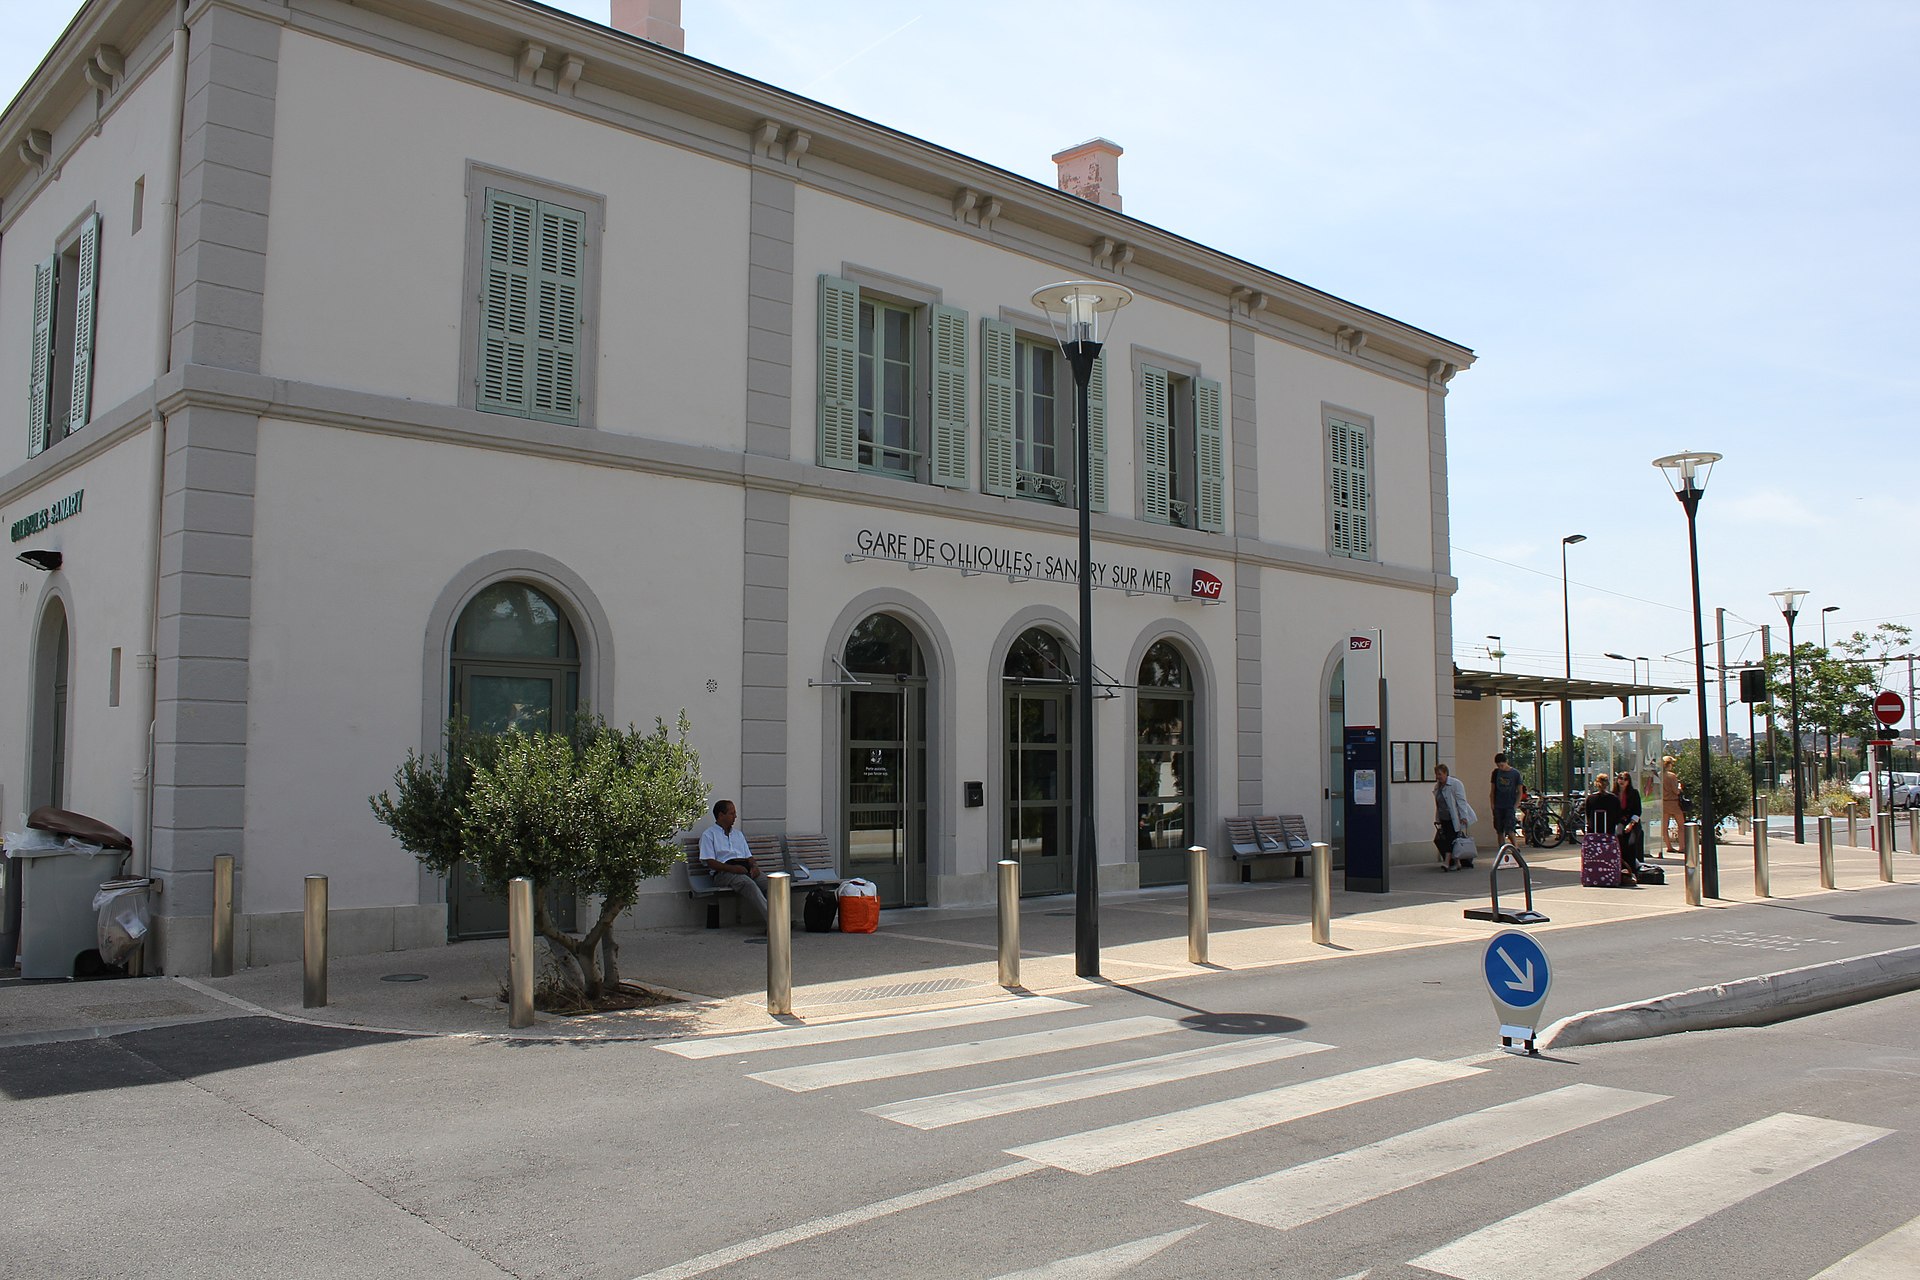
{"type": "Point", "coordinates": [403, 977]}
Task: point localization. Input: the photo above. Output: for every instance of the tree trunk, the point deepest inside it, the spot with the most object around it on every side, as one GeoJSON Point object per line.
{"type": "Point", "coordinates": [575, 958]}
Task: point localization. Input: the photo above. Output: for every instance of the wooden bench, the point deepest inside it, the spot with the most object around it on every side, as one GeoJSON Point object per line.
{"type": "Point", "coordinates": [1281, 835]}
{"type": "Point", "coordinates": [767, 852]}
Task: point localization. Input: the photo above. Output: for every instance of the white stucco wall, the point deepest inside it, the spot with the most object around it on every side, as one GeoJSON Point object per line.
{"type": "Point", "coordinates": [369, 216]}
{"type": "Point", "coordinates": [102, 584]}
{"type": "Point", "coordinates": [357, 535]}
{"type": "Point", "coordinates": [1294, 385]}
{"type": "Point", "coordinates": [100, 174]}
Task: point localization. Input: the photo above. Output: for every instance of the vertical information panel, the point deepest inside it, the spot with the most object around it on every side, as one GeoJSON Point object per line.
{"type": "Point", "coordinates": [1366, 780]}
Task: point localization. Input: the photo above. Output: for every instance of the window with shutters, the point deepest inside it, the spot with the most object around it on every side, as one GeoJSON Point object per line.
{"type": "Point", "coordinates": [61, 357]}
{"type": "Point", "coordinates": [533, 270]}
{"type": "Point", "coordinates": [1182, 454]}
{"type": "Point", "coordinates": [1349, 487]}
{"type": "Point", "coordinates": [1028, 445]}
{"type": "Point", "coordinates": [893, 382]}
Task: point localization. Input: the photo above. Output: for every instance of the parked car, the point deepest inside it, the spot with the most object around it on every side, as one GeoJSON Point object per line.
{"type": "Point", "coordinates": [1899, 790]}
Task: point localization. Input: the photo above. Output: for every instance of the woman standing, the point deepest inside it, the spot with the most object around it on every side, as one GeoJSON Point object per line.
{"type": "Point", "coordinates": [1451, 817]}
{"type": "Point", "coordinates": [1670, 791]}
{"type": "Point", "coordinates": [1633, 836]}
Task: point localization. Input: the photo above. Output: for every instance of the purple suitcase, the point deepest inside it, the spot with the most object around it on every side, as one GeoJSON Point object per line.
{"type": "Point", "coordinates": [1599, 860]}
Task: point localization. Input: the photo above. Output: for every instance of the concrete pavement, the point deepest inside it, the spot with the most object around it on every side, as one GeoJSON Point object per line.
{"type": "Point", "coordinates": [920, 959]}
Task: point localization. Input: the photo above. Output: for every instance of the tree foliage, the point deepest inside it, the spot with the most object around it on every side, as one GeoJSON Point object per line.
{"type": "Point", "coordinates": [1731, 781]}
{"type": "Point", "coordinates": [1837, 685]}
{"type": "Point", "coordinates": [599, 809]}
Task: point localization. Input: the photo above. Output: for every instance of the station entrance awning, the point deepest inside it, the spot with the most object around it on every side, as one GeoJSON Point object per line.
{"type": "Point", "coordinates": [1516, 686]}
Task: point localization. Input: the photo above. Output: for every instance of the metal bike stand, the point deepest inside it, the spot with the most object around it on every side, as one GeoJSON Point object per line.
{"type": "Point", "coordinates": [1507, 857]}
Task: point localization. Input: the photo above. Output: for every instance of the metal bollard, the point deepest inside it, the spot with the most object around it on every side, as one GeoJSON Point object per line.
{"type": "Point", "coordinates": [1197, 904]}
{"type": "Point", "coordinates": [223, 916]}
{"type": "Point", "coordinates": [1886, 846]}
{"type": "Point", "coordinates": [519, 952]}
{"type": "Point", "coordinates": [313, 948]}
{"type": "Point", "coordinates": [1690, 851]}
{"type": "Point", "coordinates": [779, 943]}
{"type": "Point", "coordinates": [1762, 873]}
{"type": "Point", "coordinates": [1010, 923]}
{"type": "Point", "coordinates": [1322, 894]}
{"type": "Point", "coordinates": [1913, 830]}
{"type": "Point", "coordinates": [1826, 848]}
{"type": "Point", "coordinates": [1853, 827]}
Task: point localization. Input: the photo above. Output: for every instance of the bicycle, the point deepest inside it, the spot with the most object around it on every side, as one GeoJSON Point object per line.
{"type": "Point", "coordinates": [1540, 826]}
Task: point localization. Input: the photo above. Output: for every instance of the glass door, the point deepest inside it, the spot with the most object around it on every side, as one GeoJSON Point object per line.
{"type": "Point", "coordinates": [1040, 787]}
{"type": "Point", "coordinates": [884, 729]}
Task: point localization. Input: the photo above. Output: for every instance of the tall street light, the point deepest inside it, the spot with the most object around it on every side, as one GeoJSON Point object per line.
{"type": "Point", "coordinates": [1077, 310]}
{"type": "Point", "coordinates": [1566, 703]}
{"type": "Point", "coordinates": [1499, 655]}
{"type": "Point", "coordinates": [1789, 602]}
{"type": "Point", "coordinates": [1832, 608]}
{"type": "Point", "coordinates": [1687, 476]}
{"type": "Point", "coordinates": [1634, 664]}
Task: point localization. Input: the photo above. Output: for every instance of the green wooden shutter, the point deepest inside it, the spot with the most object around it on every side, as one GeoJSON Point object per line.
{"type": "Point", "coordinates": [558, 270]}
{"type": "Point", "coordinates": [1156, 422]}
{"type": "Point", "coordinates": [86, 283]}
{"type": "Point", "coordinates": [1351, 497]}
{"type": "Point", "coordinates": [839, 373]}
{"type": "Point", "coordinates": [39, 402]}
{"type": "Point", "coordinates": [506, 345]}
{"type": "Point", "coordinates": [949, 440]}
{"type": "Point", "coordinates": [1097, 435]}
{"type": "Point", "coordinates": [1211, 480]}
{"type": "Point", "coordinates": [997, 354]}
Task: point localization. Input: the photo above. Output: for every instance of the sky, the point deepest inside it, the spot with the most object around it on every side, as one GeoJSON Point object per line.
{"type": "Point", "coordinates": [1662, 227]}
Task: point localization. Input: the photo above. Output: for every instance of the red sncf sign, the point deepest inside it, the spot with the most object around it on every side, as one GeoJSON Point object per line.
{"type": "Point", "coordinates": [1206, 586]}
{"type": "Point", "coordinates": [1359, 642]}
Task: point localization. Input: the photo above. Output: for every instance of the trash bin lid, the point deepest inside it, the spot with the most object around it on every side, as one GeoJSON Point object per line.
{"type": "Point", "coordinates": [64, 822]}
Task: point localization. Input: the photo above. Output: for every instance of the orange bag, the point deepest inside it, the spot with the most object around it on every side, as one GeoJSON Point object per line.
{"type": "Point", "coordinates": [859, 915]}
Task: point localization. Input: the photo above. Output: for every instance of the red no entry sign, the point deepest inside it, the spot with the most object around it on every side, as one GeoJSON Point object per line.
{"type": "Point", "coordinates": [1888, 708]}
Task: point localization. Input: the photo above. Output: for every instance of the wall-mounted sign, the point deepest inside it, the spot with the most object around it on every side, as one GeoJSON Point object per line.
{"type": "Point", "coordinates": [1018, 564]}
{"type": "Point", "coordinates": [36, 521]}
{"type": "Point", "coordinates": [1359, 643]}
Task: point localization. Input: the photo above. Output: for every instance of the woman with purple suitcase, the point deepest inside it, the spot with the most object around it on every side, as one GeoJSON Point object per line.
{"type": "Point", "coordinates": [1600, 842]}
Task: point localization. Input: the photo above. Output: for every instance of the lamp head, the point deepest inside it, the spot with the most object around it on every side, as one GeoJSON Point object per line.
{"type": "Point", "coordinates": [1618, 657]}
{"type": "Point", "coordinates": [45, 561]}
{"type": "Point", "coordinates": [1832, 608]}
{"type": "Point", "coordinates": [1687, 472]}
{"type": "Point", "coordinates": [1076, 308]}
{"type": "Point", "coordinates": [1789, 602]}
{"type": "Point", "coordinates": [1572, 538]}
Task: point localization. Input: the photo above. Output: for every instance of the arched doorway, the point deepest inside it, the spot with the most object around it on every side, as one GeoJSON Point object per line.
{"type": "Point", "coordinates": [1039, 756]}
{"type": "Point", "coordinates": [883, 726]}
{"type": "Point", "coordinates": [51, 664]}
{"type": "Point", "coordinates": [1164, 774]}
{"type": "Point", "coordinates": [1336, 759]}
{"type": "Point", "coordinates": [515, 664]}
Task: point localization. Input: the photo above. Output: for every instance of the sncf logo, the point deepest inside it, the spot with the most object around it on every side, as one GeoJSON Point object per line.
{"type": "Point", "coordinates": [1205, 585]}
{"type": "Point", "coordinates": [1359, 642]}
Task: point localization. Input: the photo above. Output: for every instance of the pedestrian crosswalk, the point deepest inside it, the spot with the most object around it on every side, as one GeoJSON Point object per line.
{"type": "Point", "coordinates": [1270, 1081]}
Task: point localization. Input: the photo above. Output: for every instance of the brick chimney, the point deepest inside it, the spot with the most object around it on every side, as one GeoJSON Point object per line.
{"type": "Point", "coordinates": [655, 20]}
{"type": "Point", "coordinates": [1091, 171]}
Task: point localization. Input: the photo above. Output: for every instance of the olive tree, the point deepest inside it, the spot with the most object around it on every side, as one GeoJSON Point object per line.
{"type": "Point", "coordinates": [598, 809]}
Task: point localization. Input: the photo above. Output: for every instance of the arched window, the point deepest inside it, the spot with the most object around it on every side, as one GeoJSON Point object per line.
{"type": "Point", "coordinates": [515, 663]}
{"type": "Point", "coordinates": [1164, 774]}
{"type": "Point", "coordinates": [48, 780]}
{"type": "Point", "coordinates": [1039, 693]}
{"type": "Point", "coordinates": [884, 727]}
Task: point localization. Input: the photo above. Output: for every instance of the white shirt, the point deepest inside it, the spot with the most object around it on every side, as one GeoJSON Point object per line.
{"type": "Point", "coordinates": [719, 845]}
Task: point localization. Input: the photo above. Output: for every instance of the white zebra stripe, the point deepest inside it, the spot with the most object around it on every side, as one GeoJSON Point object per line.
{"type": "Point", "coordinates": [867, 1028]}
{"type": "Point", "coordinates": [1584, 1231]}
{"type": "Point", "coordinates": [1122, 1144]}
{"type": "Point", "coordinates": [1894, 1256]}
{"type": "Point", "coordinates": [909, 1062]}
{"type": "Point", "coordinates": [961, 1106]}
{"type": "Point", "coordinates": [1314, 1190]}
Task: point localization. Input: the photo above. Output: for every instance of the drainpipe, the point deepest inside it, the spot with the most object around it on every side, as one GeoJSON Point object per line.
{"type": "Point", "coordinates": [169, 229]}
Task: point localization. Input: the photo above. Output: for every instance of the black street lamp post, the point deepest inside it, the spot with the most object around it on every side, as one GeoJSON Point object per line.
{"type": "Point", "coordinates": [1790, 609]}
{"type": "Point", "coordinates": [1566, 703]}
{"type": "Point", "coordinates": [1687, 475]}
{"type": "Point", "coordinates": [1077, 309]}
{"type": "Point", "coordinates": [1827, 773]}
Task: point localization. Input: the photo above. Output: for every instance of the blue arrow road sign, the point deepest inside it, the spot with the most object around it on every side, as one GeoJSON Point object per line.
{"type": "Point", "coordinates": [1517, 973]}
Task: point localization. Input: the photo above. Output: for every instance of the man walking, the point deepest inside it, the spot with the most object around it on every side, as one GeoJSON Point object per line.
{"type": "Point", "coordinates": [724, 852]}
{"type": "Point", "coordinates": [1503, 797]}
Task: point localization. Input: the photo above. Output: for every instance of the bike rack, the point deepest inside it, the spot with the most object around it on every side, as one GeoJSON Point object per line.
{"type": "Point", "coordinates": [1508, 857]}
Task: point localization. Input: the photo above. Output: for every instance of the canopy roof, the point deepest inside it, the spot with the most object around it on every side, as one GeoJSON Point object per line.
{"type": "Point", "coordinates": [1519, 687]}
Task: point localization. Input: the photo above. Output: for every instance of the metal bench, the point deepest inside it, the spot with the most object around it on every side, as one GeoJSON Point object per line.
{"type": "Point", "coordinates": [767, 853]}
{"type": "Point", "coordinates": [1281, 835]}
{"type": "Point", "coordinates": [815, 856]}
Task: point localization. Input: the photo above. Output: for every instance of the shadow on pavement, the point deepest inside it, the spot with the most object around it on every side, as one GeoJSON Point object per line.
{"type": "Point", "coordinates": [166, 1055]}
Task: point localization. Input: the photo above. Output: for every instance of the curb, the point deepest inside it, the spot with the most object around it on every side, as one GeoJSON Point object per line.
{"type": "Point", "coordinates": [1749, 1002]}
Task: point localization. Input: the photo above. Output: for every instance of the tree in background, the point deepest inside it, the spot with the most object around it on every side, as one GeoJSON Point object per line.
{"type": "Point", "coordinates": [1838, 685]}
{"type": "Point", "coordinates": [1518, 743]}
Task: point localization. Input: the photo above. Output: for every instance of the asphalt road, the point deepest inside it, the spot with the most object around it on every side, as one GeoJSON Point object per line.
{"type": "Point", "coordinates": [1320, 1121]}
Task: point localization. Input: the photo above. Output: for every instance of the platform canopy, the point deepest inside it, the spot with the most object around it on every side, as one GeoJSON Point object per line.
{"type": "Point", "coordinates": [1517, 686]}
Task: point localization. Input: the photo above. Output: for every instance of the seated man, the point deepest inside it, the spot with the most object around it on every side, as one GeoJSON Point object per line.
{"type": "Point", "coordinates": [724, 852]}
